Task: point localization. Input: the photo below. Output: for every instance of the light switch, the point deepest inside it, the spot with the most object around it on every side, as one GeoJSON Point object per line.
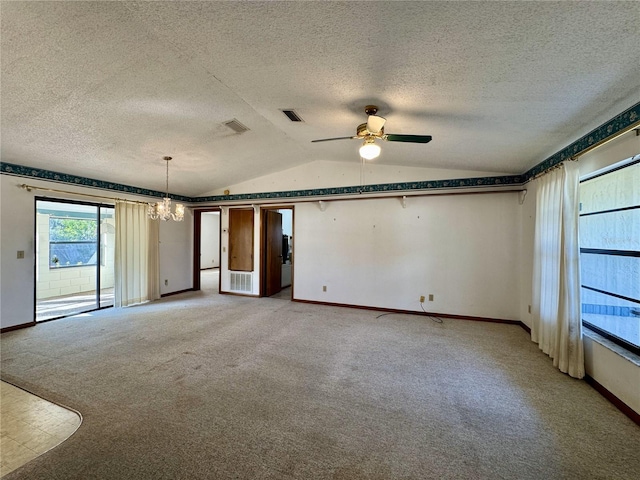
{"type": "Point", "coordinates": [20, 253]}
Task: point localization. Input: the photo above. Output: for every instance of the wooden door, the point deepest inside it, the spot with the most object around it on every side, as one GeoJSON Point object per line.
{"type": "Point", "coordinates": [241, 240]}
{"type": "Point", "coordinates": [273, 252]}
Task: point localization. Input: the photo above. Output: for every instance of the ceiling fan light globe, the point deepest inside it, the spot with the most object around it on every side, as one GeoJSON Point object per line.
{"type": "Point", "coordinates": [369, 151]}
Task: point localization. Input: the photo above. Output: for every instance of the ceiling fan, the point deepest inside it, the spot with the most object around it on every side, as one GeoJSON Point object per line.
{"type": "Point", "coordinates": [374, 128]}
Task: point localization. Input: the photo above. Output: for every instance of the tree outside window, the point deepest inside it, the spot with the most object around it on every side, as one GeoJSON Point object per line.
{"type": "Point", "coordinates": [72, 242]}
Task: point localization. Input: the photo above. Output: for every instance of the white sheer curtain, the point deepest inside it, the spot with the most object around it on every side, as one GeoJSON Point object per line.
{"type": "Point", "coordinates": [557, 326]}
{"type": "Point", "coordinates": [137, 277]}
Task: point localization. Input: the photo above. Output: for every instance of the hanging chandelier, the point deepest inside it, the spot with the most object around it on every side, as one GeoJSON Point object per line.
{"type": "Point", "coordinates": [162, 210]}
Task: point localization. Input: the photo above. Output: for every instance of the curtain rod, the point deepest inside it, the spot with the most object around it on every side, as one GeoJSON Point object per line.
{"type": "Point", "coordinates": [553, 167]}
{"type": "Point", "coordinates": [28, 188]}
{"type": "Point", "coordinates": [633, 127]}
{"type": "Point", "coordinates": [462, 191]}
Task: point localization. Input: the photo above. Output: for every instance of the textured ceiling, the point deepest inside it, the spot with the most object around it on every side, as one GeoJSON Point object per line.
{"type": "Point", "coordinates": [105, 89]}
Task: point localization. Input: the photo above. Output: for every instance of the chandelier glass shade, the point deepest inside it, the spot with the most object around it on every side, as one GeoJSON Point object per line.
{"type": "Point", "coordinates": [162, 210]}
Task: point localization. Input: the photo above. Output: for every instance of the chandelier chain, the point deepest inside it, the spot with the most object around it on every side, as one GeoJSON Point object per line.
{"type": "Point", "coordinates": [167, 159]}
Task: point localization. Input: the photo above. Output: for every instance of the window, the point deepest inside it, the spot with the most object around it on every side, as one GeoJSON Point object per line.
{"type": "Point", "coordinates": [610, 254]}
{"type": "Point", "coordinates": [72, 242]}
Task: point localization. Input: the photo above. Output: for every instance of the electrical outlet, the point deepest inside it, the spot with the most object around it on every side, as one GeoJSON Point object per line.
{"type": "Point", "coordinates": [324, 288]}
{"type": "Point", "coordinates": [431, 297]}
{"type": "Point", "coordinates": [421, 298]}
{"type": "Point", "coordinates": [166, 282]}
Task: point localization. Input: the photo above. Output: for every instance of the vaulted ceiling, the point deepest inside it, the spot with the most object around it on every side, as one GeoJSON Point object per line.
{"type": "Point", "coordinates": [106, 89]}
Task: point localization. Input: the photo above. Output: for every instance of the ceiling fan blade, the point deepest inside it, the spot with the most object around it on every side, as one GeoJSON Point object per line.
{"type": "Point", "coordinates": [331, 139]}
{"type": "Point", "coordinates": [394, 137]}
{"type": "Point", "coordinates": [375, 123]}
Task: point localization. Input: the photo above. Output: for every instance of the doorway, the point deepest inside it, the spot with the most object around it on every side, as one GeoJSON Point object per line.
{"type": "Point", "coordinates": [277, 252]}
{"type": "Point", "coordinates": [75, 253]}
{"type": "Point", "coordinates": [206, 251]}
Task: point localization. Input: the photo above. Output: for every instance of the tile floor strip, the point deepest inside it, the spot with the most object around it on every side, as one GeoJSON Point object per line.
{"type": "Point", "coordinates": [29, 426]}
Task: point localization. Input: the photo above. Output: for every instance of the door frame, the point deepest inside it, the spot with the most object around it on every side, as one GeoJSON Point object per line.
{"type": "Point", "coordinates": [67, 201]}
{"type": "Point", "coordinates": [263, 239]}
{"type": "Point", "coordinates": [197, 245]}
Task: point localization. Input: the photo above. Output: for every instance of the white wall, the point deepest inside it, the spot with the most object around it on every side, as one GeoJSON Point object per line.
{"type": "Point", "coordinates": [17, 216]}
{"type": "Point", "coordinates": [616, 373]}
{"type": "Point", "coordinates": [176, 254]}
{"type": "Point", "coordinates": [17, 224]}
{"type": "Point", "coordinates": [527, 234]}
{"type": "Point", "coordinates": [210, 240]}
{"type": "Point", "coordinates": [463, 249]}
{"type": "Point", "coordinates": [224, 249]}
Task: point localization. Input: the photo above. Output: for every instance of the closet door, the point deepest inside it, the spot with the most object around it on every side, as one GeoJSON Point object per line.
{"type": "Point", "coordinates": [241, 240]}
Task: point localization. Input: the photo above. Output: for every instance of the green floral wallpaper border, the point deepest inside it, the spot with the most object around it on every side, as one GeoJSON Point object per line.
{"type": "Point", "coordinates": [41, 174]}
{"type": "Point", "coordinates": [617, 124]}
{"type": "Point", "coordinates": [381, 187]}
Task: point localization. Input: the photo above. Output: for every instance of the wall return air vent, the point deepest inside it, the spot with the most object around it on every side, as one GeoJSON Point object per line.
{"type": "Point", "coordinates": [241, 282]}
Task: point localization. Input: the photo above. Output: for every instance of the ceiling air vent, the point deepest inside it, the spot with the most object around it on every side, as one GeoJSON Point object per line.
{"type": "Point", "coordinates": [236, 126]}
{"type": "Point", "coordinates": [292, 115]}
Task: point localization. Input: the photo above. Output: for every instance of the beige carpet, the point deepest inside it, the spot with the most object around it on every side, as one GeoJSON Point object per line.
{"type": "Point", "coordinates": [201, 385]}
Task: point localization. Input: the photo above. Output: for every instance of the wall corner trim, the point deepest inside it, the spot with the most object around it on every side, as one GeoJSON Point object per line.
{"type": "Point", "coordinates": [177, 292]}
{"type": "Point", "coordinates": [17, 327]}
{"type": "Point", "coordinates": [619, 404]}
{"type": "Point", "coordinates": [411, 312]}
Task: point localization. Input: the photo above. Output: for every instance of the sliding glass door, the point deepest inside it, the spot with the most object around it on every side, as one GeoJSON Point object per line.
{"type": "Point", "coordinates": [74, 257]}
